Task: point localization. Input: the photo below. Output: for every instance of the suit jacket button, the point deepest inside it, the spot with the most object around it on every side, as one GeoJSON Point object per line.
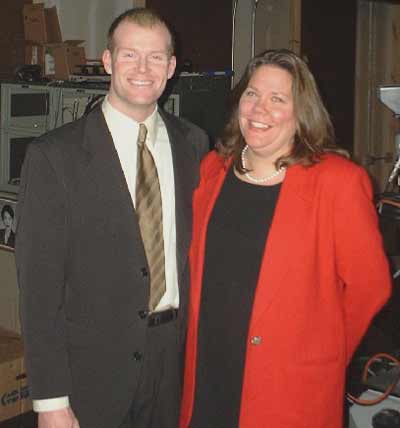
{"type": "Point", "coordinates": [137, 356]}
{"type": "Point", "coordinates": [143, 314]}
{"type": "Point", "coordinates": [256, 340]}
{"type": "Point", "coordinates": [144, 272]}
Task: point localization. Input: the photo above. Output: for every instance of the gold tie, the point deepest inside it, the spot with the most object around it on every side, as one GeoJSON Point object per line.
{"type": "Point", "coordinates": [149, 211]}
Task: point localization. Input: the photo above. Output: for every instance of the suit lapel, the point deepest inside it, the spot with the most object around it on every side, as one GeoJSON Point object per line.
{"type": "Point", "coordinates": [185, 167]}
{"type": "Point", "coordinates": [104, 169]}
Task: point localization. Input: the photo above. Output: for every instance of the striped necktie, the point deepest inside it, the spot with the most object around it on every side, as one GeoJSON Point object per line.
{"type": "Point", "coordinates": [149, 212]}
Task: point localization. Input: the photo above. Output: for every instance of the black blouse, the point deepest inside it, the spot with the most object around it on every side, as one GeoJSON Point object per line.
{"type": "Point", "coordinates": [236, 237]}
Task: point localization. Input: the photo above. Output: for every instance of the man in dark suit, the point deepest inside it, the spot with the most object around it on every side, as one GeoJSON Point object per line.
{"type": "Point", "coordinates": [97, 355]}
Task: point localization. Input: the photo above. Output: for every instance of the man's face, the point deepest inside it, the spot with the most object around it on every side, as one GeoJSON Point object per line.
{"type": "Point", "coordinates": [140, 66]}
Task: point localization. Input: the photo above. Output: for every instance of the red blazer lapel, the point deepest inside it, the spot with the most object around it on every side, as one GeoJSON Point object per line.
{"type": "Point", "coordinates": [287, 234]}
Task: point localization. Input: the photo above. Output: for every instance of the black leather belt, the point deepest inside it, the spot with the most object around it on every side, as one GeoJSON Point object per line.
{"type": "Point", "coordinates": [162, 317]}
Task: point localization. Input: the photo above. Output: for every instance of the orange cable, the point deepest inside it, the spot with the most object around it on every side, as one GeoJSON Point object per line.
{"type": "Point", "coordinates": [388, 390]}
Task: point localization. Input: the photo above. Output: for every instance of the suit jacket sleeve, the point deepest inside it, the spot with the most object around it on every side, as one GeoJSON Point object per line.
{"type": "Point", "coordinates": [203, 144]}
{"type": "Point", "coordinates": [361, 261]}
{"type": "Point", "coordinates": [41, 249]}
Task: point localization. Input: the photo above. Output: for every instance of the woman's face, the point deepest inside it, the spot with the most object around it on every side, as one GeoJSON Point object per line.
{"type": "Point", "coordinates": [7, 219]}
{"type": "Point", "coordinates": [266, 112]}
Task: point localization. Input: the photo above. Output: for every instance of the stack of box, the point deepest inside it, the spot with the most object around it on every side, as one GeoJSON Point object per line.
{"type": "Point", "coordinates": [58, 59]}
{"type": "Point", "coordinates": [14, 392]}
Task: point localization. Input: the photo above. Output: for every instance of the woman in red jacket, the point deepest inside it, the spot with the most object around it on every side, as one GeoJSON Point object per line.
{"type": "Point", "coordinates": [287, 263]}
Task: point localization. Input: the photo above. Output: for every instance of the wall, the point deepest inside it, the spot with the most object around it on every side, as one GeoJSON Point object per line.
{"type": "Point", "coordinates": [261, 25]}
{"type": "Point", "coordinates": [242, 36]}
{"type": "Point", "coordinates": [273, 25]}
{"type": "Point", "coordinates": [331, 57]}
{"type": "Point", "coordinates": [12, 43]}
{"type": "Point", "coordinates": [203, 31]}
{"type": "Point", "coordinates": [88, 20]}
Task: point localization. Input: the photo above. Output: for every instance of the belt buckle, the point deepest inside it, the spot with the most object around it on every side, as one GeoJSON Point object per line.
{"type": "Point", "coordinates": [158, 318]}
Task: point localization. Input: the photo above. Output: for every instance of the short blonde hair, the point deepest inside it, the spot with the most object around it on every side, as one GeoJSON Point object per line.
{"type": "Point", "coordinates": [144, 17]}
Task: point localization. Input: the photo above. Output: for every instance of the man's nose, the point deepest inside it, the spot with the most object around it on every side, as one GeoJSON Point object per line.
{"type": "Point", "coordinates": [142, 64]}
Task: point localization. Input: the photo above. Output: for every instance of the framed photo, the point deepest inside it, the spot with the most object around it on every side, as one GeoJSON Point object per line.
{"type": "Point", "coordinates": [171, 104]}
{"type": "Point", "coordinates": [8, 222]}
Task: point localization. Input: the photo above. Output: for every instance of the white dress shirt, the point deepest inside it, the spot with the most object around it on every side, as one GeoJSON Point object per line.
{"type": "Point", "coordinates": [124, 131]}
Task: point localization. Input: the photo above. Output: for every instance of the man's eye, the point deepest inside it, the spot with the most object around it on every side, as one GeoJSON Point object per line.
{"type": "Point", "coordinates": [158, 58]}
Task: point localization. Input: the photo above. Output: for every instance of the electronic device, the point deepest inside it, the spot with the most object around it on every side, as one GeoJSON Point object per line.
{"type": "Point", "coordinates": [85, 78]}
{"type": "Point", "coordinates": [29, 73]}
{"type": "Point", "coordinates": [363, 416]}
{"type": "Point", "coordinates": [390, 96]}
{"type": "Point", "coordinates": [30, 110]}
{"type": "Point", "coordinates": [201, 98]}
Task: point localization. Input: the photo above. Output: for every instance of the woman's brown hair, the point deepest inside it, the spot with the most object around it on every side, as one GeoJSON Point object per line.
{"type": "Point", "coordinates": [314, 131]}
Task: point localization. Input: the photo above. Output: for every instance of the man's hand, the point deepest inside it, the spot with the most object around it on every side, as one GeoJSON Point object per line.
{"type": "Point", "coordinates": [63, 418]}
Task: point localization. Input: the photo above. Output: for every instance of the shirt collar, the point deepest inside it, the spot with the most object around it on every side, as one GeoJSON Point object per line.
{"type": "Point", "coordinates": [117, 117]}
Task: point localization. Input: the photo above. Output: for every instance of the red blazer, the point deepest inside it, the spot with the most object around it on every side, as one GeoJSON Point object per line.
{"type": "Point", "coordinates": [323, 276]}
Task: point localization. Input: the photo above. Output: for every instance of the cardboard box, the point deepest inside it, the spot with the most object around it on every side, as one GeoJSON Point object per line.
{"type": "Point", "coordinates": [58, 61]}
{"type": "Point", "coordinates": [14, 391]}
{"type": "Point", "coordinates": [34, 55]}
{"type": "Point", "coordinates": [41, 24]}
{"type": "Point", "coordinates": [44, 45]}
{"type": "Point", "coordinates": [61, 59]}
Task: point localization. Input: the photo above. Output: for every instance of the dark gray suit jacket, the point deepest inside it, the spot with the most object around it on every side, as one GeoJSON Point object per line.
{"type": "Point", "coordinates": [81, 264]}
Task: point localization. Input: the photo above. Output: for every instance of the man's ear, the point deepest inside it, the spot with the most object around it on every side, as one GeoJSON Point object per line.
{"type": "Point", "coordinates": [171, 66]}
{"type": "Point", "coordinates": [107, 61]}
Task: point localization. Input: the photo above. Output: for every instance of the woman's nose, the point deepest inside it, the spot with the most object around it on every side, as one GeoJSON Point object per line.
{"type": "Point", "coordinates": [261, 106]}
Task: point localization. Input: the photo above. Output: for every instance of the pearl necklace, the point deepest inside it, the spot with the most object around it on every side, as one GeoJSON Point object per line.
{"type": "Point", "coordinates": [258, 180]}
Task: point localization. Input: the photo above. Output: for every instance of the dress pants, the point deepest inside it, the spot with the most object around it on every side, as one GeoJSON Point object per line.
{"type": "Point", "coordinates": [156, 403]}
